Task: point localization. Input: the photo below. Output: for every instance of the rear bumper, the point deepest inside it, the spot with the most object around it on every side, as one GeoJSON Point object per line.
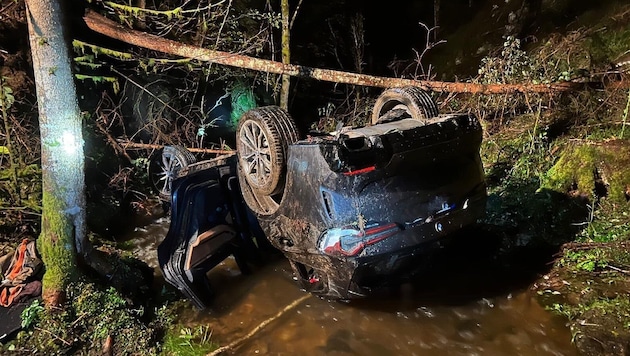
{"type": "Point", "coordinates": [437, 225]}
{"type": "Point", "coordinates": [394, 258]}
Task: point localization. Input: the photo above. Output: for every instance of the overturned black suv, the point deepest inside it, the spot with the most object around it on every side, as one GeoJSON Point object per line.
{"type": "Point", "coordinates": [349, 209]}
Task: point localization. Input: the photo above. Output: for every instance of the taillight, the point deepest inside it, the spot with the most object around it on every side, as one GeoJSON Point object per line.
{"type": "Point", "coordinates": [360, 171]}
{"type": "Point", "coordinates": [351, 240]}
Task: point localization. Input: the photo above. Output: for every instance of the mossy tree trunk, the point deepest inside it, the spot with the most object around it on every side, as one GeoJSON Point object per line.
{"type": "Point", "coordinates": [63, 204]}
{"type": "Point", "coordinates": [286, 53]}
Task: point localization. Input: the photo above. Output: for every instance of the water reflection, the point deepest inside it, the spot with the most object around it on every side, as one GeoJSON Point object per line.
{"type": "Point", "coordinates": [464, 305]}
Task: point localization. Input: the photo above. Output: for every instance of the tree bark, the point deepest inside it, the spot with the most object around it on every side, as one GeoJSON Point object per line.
{"type": "Point", "coordinates": [112, 29]}
{"type": "Point", "coordinates": [436, 20]}
{"type": "Point", "coordinates": [63, 202]}
{"type": "Point", "coordinates": [286, 53]}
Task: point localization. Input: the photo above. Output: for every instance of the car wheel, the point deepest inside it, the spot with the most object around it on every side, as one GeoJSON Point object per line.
{"type": "Point", "coordinates": [260, 204]}
{"type": "Point", "coordinates": [164, 166]}
{"type": "Point", "coordinates": [409, 102]}
{"type": "Point", "coordinates": [310, 279]}
{"type": "Point", "coordinates": [262, 140]}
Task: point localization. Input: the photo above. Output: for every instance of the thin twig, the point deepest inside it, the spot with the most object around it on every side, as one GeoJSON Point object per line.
{"type": "Point", "coordinates": [78, 319]}
{"type": "Point", "coordinates": [240, 340]}
{"type": "Point", "coordinates": [22, 209]}
{"type": "Point", "coordinates": [618, 269]}
{"type": "Point", "coordinates": [297, 8]}
{"type": "Point", "coordinates": [625, 116]}
{"type": "Point", "coordinates": [227, 13]}
{"type": "Point", "coordinates": [111, 140]}
{"type": "Point", "coordinates": [149, 93]}
{"type": "Point", "coordinates": [53, 335]}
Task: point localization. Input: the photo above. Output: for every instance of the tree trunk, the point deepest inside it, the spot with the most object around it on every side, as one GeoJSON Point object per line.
{"type": "Point", "coordinates": [140, 17]}
{"type": "Point", "coordinates": [63, 202]}
{"type": "Point", "coordinates": [436, 20]}
{"type": "Point", "coordinates": [112, 29]}
{"type": "Point", "coordinates": [286, 53]}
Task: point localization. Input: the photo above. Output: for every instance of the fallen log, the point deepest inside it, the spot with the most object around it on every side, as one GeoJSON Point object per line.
{"type": "Point", "coordinates": [109, 28]}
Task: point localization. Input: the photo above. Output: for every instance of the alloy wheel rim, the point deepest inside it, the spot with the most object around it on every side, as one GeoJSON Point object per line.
{"type": "Point", "coordinates": [255, 154]}
{"type": "Point", "coordinates": [169, 165]}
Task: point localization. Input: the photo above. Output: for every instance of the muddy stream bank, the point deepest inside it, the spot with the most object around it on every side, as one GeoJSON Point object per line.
{"type": "Point", "coordinates": [470, 300]}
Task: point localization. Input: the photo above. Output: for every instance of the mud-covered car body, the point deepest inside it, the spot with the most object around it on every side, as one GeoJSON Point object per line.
{"type": "Point", "coordinates": [351, 210]}
{"type": "Point", "coordinates": [359, 205]}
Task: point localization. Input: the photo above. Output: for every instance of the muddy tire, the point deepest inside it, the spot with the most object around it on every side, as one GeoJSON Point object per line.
{"type": "Point", "coordinates": [310, 279]}
{"type": "Point", "coordinates": [164, 167]}
{"type": "Point", "coordinates": [262, 205]}
{"type": "Point", "coordinates": [262, 139]}
{"type": "Point", "coordinates": [405, 102]}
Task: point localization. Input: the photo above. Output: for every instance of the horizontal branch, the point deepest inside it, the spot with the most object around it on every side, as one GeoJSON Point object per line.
{"type": "Point", "coordinates": [107, 27]}
{"type": "Point", "coordinates": [125, 144]}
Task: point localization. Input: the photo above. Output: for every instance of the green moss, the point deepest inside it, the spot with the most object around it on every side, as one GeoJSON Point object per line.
{"type": "Point", "coordinates": [137, 11]}
{"type": "Point", "coordinates": [593, 170]}
{"type": "Point", "coordinates": [121, 322]}
{"type": "Point", "coordinates": [56, 244]}
{"type": "Point", "coordinates": [574, 171]}
{"type": "Point", "coordinates": [618, 308]}
{"type": "Point", "coordinates": [90, 315]}
{"type": "Point", "coordinates": [515, 160]}
{"type": "Point", "coordinates": [30, 171]}
{"type": "Point", "coordinates": [80, 47]}
{"type": "Point", "coordinates": [616, 168]}
{"type": "Point", "coordinates": [101, 79]}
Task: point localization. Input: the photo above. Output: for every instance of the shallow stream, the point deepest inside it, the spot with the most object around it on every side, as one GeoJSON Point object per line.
{"type": "Point", "coordinates": [467, 303]}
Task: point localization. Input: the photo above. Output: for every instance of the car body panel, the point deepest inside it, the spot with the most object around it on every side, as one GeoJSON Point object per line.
{"type": "Point", "coordinates": [358, 206]}
{"type": "Point", "coordinates": [427, 180]}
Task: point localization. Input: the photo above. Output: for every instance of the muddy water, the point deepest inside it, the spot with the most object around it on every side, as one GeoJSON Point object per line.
{"type": "Point", "coordinates": [467, 303]}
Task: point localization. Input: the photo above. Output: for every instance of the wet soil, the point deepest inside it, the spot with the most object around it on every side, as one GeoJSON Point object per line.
{"type": "Point", "coordinates": [472, 298]}
{"type": "Point", "coordinates": [596, 300]}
